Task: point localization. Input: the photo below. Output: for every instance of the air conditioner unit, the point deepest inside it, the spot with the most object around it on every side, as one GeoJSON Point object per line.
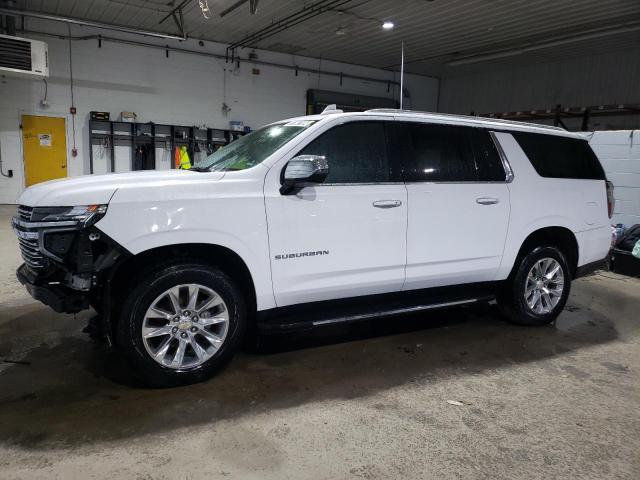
{"type": "Point", "coordinates": [23, 57]}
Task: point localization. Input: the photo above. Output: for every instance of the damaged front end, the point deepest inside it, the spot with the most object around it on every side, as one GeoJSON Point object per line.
{"type": "Point", "coordinates": [66, 258]}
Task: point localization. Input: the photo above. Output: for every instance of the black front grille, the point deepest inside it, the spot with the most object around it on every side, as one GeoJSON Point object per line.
{"type": "Point", "coordinates": [15, 53]}
{"type": "Point", "coordinates": [31, 253]}
{"type": "Point", "coordinates": [28, 241]}
{"type": "Point", "coordinates": [24, 212]}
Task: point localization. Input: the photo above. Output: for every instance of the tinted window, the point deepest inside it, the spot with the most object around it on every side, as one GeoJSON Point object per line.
{"type": "Point", "coordinates": [447, 153]}
{"type": "Point", "coordinates": [438, 153]}
{"type": "Point", "coordinates": [488, 162]}
{"type": "Point", "coordinates": [356, 152]}
{"type": "Point", "coordinates": [560, 157]}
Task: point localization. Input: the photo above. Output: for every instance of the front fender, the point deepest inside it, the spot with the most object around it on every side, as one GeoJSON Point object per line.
{"type": "Point", "coordinates": [237, 223]}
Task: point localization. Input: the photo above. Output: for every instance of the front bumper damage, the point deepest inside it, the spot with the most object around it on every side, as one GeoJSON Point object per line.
{"type": "Point", "coordinates": [66, 263]}
{"type": "Point", "coordinates": [52, 293]}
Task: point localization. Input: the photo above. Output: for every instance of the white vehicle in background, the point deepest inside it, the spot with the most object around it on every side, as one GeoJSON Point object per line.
{"type": "Point", "coordinates": [314, 220]}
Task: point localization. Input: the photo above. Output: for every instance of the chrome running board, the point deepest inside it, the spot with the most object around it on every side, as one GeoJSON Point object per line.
{"type": "Point", "coordinates": [394, 311]}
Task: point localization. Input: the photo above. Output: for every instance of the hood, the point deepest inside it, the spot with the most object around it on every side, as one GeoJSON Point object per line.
{"type": "Point", "coordinates": [98, 189]}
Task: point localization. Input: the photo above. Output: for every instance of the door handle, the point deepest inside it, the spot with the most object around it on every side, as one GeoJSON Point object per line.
{"type": "Point", "coordinates": [487, 200]}
{"type": "Point", "coordinates": [387, 203]}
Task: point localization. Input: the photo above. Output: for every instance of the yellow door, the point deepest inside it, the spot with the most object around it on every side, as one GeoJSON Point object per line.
{"type": "Point", "coordinates": [44, 146]}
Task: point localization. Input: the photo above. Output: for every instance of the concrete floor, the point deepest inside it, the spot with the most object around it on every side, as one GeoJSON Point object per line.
{"type": "Point", "coordinates": [359, 402]}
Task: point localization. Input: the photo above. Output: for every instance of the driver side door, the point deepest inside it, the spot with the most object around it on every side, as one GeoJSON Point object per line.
{"type": "Point", "coordinates": [344, 237]}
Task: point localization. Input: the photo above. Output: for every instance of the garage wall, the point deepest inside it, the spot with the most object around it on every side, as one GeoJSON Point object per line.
{"type": "Point", "coordinates": [594, 80]}
{"type": "Point", "coordinates": [182, 89]}
{"type": "Point", "coordinates": [619, 153]}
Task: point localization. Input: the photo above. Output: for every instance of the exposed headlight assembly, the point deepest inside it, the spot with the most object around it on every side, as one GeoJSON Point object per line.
{"type": "Point", "coordinates": [84, 215]}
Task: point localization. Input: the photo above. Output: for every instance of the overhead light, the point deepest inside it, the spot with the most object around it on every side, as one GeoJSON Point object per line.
{"type": "Point", "coordinates": [484, 57]}
{"type": "Point", "coordinates": [388, 25]}
{"type": "Point", "coordinates": [551, 42]}
{"type": "Point", "coordinates": [204, 6]}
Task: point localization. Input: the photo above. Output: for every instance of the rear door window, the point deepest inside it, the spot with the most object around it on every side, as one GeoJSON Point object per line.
{"type": "Point", "coordinates": [488, 161]}
{"type": "Point", "coordinates": [560, 157]}
{"type": "Point", "coordinates": [438, 153]}
{"type": "Point", "coordinates": [447, 153]}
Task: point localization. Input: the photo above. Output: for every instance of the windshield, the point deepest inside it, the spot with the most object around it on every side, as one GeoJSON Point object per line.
{"type": "Point", "coordinates": [252, 149]}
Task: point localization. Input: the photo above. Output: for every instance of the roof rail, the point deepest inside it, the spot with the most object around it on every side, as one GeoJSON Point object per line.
{"type": "Point", "coordinates": [330, 109]}
{"type": "Point", "coordinates": [469, 117]}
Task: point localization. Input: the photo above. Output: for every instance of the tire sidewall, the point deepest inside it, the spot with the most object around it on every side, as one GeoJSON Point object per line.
{"type": "Point", "coordinates": [522, 312]}
{"type": "Point", "coordinates": [152, 285]}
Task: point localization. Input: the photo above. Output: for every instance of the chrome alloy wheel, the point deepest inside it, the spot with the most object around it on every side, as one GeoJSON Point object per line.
{"type": "Point", "coordinates": [185, 326]}
{"type": "Point", "coordinates": [544, 286]}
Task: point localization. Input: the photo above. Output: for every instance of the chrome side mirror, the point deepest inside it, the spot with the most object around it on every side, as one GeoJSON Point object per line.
{"type": "Point", "coordinates": [303, 170]}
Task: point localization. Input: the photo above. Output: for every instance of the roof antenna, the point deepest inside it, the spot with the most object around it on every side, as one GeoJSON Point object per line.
{"type": "Point", "coordinates": [401, 74]}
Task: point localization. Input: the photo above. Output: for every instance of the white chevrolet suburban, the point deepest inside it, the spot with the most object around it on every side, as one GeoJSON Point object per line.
{"type": "Point", "coordinates": [314, 220]}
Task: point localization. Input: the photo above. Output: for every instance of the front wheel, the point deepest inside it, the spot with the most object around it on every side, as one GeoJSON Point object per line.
{"type": "Point", "coordinates": [538, 291]}
{"type": "Point", "coordinates": [181, 324]}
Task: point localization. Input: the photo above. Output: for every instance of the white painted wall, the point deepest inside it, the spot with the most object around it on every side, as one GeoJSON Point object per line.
{"type": "Point", "coordinates": [182, 89]}
{"type": "Point", "coordinates": [589, 80]}
{"type": "Point", "coordinates": [619, 153]}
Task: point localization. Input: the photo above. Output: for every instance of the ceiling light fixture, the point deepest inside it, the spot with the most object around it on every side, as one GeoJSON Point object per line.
{"type": "Point", "coordinates": [204, 6]}
{"type": "Point", "coordinates": [551, 42]}
{"type": "Point", "coordinates": [387, 25]}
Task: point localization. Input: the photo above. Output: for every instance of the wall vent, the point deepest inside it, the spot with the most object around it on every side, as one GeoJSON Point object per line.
{"type": "Point", "coordinates": [23, 57]}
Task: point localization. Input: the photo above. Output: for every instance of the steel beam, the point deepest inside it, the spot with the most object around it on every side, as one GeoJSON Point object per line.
{"type": "Point", "coordinates": [78, 21]}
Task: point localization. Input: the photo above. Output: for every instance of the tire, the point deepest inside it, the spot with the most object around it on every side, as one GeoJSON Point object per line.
{"type": "Point", "coordinates": [178, 349]}
{"type": "Point", "coordinates": [512, 301]}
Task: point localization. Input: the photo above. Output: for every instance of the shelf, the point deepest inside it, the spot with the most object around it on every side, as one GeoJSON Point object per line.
{"type": "Point", "coordinates": [125, 135]}
{"type": "Point", "coordinates": [558, 113]}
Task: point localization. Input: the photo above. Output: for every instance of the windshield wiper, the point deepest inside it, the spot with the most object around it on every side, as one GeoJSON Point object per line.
{"type": "Point", "coordinates": [199, 169]}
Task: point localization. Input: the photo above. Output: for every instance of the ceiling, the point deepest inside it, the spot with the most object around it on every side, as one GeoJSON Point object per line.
{"type": "Point", "coordinates": [435, 32]}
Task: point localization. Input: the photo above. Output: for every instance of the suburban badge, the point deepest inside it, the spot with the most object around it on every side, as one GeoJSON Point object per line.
{"type": "Point", "coordinates": [302, 254]}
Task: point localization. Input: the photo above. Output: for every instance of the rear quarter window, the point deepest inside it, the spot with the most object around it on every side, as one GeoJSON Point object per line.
{"type": "Point", "coordinates": [553, 156]}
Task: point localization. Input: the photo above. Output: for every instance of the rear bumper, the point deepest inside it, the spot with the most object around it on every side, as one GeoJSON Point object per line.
{"type": "Point", "coordinates": [61, 299]}
{"type": "Point", "coordinates": [590, 268]}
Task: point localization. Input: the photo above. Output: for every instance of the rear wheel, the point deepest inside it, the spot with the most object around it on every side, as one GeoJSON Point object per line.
{"type": "Point", "coordinates": [538, 291]}
{"type": "Point", "coordinates": [181, 324]}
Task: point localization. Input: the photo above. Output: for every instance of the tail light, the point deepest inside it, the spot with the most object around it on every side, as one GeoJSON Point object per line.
{"type": "Point", "coordinates": [611, 202]}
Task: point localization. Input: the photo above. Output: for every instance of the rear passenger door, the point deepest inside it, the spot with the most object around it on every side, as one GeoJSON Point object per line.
{"type": "Point", "coordinates": [458, 203]}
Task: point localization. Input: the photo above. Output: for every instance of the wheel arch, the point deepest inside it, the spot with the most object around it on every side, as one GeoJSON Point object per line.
{"type": "Point", "coordinates": [557, 236]}
{"type": "Point", "coordinates": [219, 256]}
